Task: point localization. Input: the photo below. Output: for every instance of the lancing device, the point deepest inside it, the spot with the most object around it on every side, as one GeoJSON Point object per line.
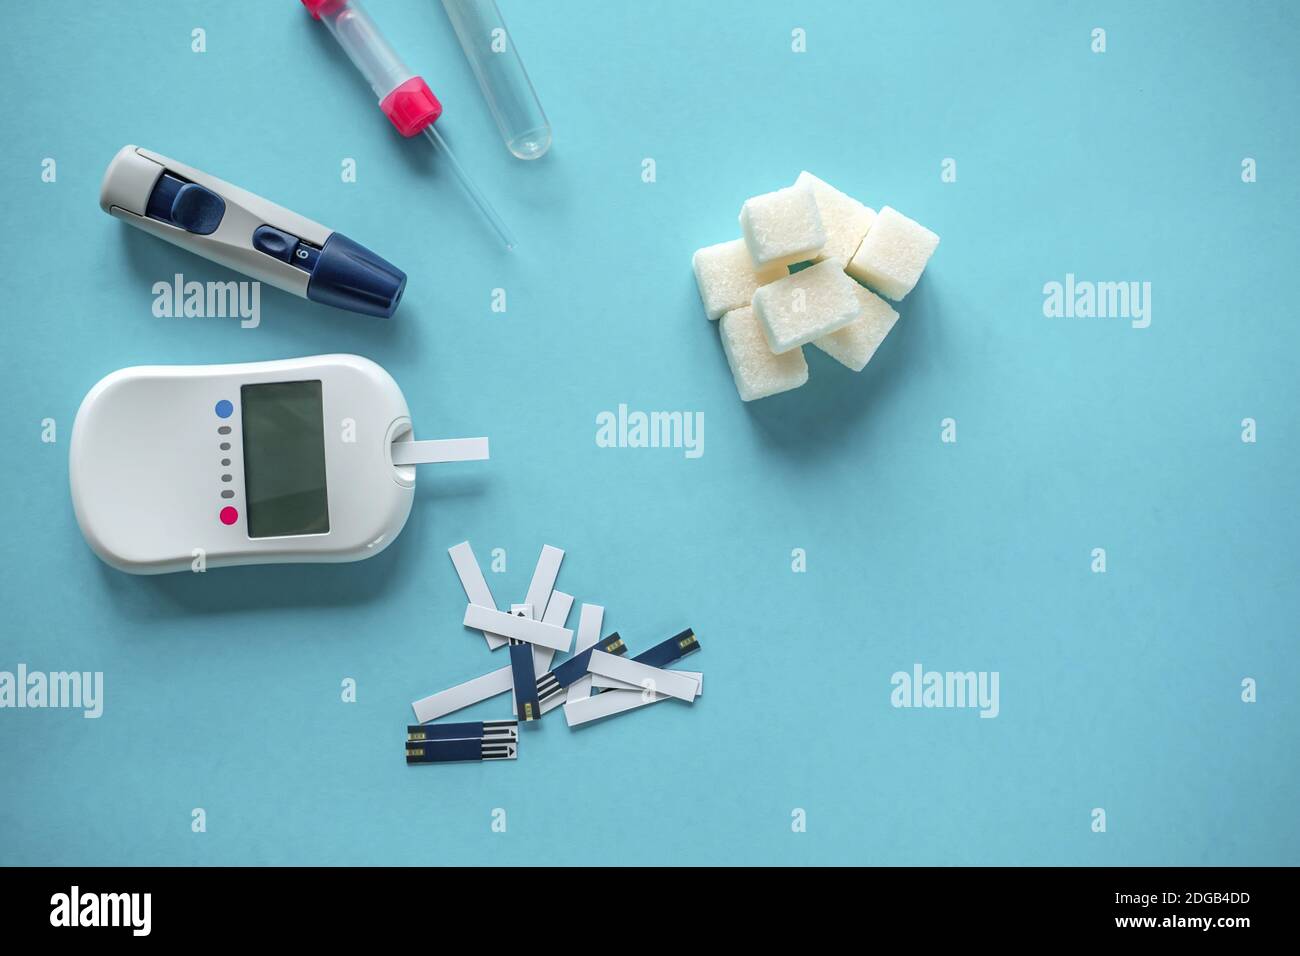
{"type": "Point", "coordinates": [245, 232]}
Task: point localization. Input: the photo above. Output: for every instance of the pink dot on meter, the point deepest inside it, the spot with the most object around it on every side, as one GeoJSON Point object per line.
{"type": "Point", "coordinates": [229, 515]}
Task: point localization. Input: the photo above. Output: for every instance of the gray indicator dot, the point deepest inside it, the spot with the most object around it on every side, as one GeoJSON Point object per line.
{"type": "Point", "coordinates": [227, 493]}
{"type": "Point", "coordinates": [225, 446]}
{"type": "Point", "coordinates": [223, 430]}
{"type": "Point", "coordinates": [225, 477]}
{"type": "Point", "coordinates": [225, 463]}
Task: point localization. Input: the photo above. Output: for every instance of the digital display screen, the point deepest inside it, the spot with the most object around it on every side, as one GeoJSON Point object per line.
{"type": "Point", "coordinates": [284, 459]}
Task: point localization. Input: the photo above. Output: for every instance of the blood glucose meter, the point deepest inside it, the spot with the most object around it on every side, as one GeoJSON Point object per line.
{"type": "Point", "coordinates": [308, 459]}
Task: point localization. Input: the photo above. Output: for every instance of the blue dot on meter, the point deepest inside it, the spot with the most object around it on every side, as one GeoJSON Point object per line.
{"type": "Point", "coordinates": [224, 409]}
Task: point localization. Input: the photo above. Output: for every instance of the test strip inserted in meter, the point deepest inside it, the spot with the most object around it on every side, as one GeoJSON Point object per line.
{"type": "Point", "coordinates": [301, 460]}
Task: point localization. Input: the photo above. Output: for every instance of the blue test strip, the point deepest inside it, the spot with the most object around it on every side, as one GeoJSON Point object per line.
{"type": "Point", "coordinates": [447, 751]}
{"type": "Point", "coordinates": [527, 706]}
{"type": "Point", "coordinates": [494, 730]}
{"type": "Point", "coordinates": [553, 682]}
{"type": "Point", "coordinates": [675, 648]}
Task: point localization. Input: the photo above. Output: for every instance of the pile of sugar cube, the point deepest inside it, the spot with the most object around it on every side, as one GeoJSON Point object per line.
{"type": "Point", "coordinates": [769, 312]}
{"type": "Point", "coordinates": [599, 680]}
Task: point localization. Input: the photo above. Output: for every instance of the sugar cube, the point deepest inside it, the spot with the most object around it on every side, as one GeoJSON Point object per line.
{"type": "Point", "coordinates": [845, 219]}
{"type": "Point", "coordinates": [727, 277]}
{"type": "Point", "coordinates": [893, 254]}
{"type": "Point", "coordinates": [758, 373]}
{"type": "Point", "coordinates": [806, 305]}
{"type": "Point", "coordinates": [854, 344]}
{"type": "Point", "coordinates": [782, 227]}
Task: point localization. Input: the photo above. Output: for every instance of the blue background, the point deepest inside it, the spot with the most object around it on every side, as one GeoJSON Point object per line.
{"type": "Point", "coordinates": [1119, 690]}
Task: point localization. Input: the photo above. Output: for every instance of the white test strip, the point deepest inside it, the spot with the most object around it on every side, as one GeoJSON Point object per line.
{"type": "Point", "coordinates": [475, 585]}
{"type": "Point", "coordinates": [590, 619]}
{"type": "Point", "coordinates": [520, 628]}
{"type": "Point", "coordinates": [544, 575]}
{"type": "Point", "coordinates": [463, 695]}
{"type": "Point", "coordinates": [437, 450]}
{"type": "Point", "coordinates": [557, 613]}
{"type": "Point", "coordinates": [673, 683]}
{"type": "Point", "coordinates": [613, 683]}
{"type": "Point", "coordinates": [607, 704]}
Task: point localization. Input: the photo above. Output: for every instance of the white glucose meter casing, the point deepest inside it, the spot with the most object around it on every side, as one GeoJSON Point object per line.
{"type": "Point", "coordinates": [161, 471]}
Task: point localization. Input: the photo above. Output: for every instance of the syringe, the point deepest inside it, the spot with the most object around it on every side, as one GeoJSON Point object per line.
{"type": "Point", "coordinates": [404, 97]}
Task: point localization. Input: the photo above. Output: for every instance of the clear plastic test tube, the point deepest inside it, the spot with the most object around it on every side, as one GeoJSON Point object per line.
{"type": "Point", "coordinates": [493, 56]}
{"type": "Point", "coordinates": [404, 97]}
{"type": "Point", "coordinates": [364, 44]}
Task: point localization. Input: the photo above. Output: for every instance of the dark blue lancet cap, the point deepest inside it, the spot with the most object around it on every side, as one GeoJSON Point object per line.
{"type": "Point", "coordinates": [349, 276]}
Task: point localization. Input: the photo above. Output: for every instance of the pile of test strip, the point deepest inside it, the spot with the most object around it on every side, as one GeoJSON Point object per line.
{"type": "Point", "coordinates": [596, 681]}
{"type": "Point", "coordinates": [769, 311]}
